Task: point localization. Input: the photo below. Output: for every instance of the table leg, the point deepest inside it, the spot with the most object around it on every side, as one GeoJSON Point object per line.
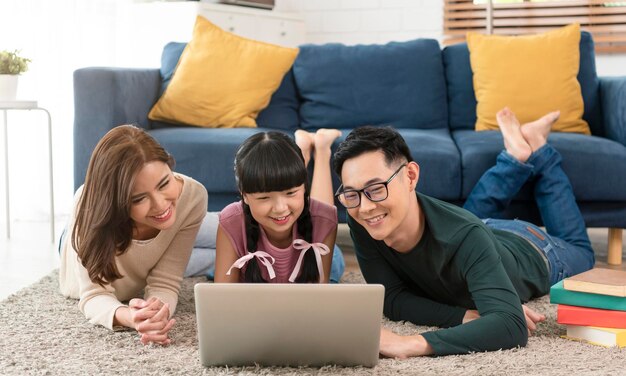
{"type": "Point", "coordinates": [51, 175]}
{"type": "Point", "coordinates": [6, 173]}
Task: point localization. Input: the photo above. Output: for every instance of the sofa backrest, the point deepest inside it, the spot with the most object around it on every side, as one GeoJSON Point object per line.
{"type": "Point", "coordinates": [399, 83]}
{"type": "Point", "coordinates": [281, 113]}
{"type": "Point", "coordinates": [462, 101]}
{"type": "Point", "coordinates": [337, 86]}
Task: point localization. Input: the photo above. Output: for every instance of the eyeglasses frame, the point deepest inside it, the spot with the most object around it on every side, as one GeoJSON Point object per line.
{"type": "Point", "coordinates": [361, 191]}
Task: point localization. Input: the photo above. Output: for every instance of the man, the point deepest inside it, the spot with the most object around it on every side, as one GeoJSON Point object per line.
{"type": "Point", "coordinates": [440, 264]}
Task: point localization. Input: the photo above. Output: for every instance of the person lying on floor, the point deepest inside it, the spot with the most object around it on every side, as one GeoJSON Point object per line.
{"type": "Point", "coordinates": [283, 230]}
{"type": "Point", "coordinates": [132, 229]}
{"type": "Point", "coordinates": [443, 266]}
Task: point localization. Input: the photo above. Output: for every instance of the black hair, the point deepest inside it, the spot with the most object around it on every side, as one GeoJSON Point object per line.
{"type": "Point", "coordinates": [268, 162]}
{"type": "Point", "coordinates": [369, 138]}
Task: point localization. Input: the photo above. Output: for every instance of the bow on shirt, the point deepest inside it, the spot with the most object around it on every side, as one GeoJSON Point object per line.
{"type": "Point", "coordinates": [320, 249]}
{"type": "Point", "coordinates": [263, 257]}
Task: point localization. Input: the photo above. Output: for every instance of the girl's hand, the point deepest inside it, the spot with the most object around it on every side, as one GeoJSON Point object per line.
{"type": "Point", "coordinates": [151, 319]}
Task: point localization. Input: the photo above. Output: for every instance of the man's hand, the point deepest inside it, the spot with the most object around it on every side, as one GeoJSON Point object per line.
{"type": "Point", "coordinates": [151, 320]}
{"type": "Point", "coordinates": [402, 347]}
{"type": "Point", "coordinates": [532, 318]}
{"type": "Point", "coordinates": [470, 315]}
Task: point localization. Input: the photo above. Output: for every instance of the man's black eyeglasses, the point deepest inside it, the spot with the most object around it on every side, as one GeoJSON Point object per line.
{"type": "Point", "coordinates": [375, 192]}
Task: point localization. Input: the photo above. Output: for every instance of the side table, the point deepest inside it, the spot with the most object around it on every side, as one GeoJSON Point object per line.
{"type": "Point", "coordinates": [29, 106]}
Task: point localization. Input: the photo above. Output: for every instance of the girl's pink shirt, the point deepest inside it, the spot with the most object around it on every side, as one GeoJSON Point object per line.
{"type": "Point", "coordinates": [232, 221]}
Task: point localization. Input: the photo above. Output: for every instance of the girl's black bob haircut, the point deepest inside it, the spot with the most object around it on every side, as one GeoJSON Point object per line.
{"type": "Point", "coordinates": [268, 162]}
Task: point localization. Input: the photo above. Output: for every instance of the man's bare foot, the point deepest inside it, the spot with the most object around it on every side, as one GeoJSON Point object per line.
{"type": "Point", "coordinates": [305, 140]}
{"type": "Point", "coordinates": [324, 139]}
{"type": "Point", "coordinates": [514, 141]}
{"type": "Point", "coordinates": [536, 132]}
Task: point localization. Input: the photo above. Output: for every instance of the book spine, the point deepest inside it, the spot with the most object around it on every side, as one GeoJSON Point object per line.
{"type": "Point", "coordinates": [558, 295]}
{"type": "Point", "coordinates": [568, 315]}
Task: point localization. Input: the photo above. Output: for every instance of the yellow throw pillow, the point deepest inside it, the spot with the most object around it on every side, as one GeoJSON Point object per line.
{"type": "Point", "coordinates": [222, 80]}
{"type": "Point", "coordinates": [531, 74]}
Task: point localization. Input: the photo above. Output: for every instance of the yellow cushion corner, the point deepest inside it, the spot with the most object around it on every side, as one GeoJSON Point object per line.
{"type": "Point", "coordinates": [222, 80]}
{"type": "Point", "coordinates": [531, 74]}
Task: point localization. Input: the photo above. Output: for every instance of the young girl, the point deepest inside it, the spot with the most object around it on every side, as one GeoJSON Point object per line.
{"type": "Point", "coordinates": [277, 233]}
{"type": "Point", "coordinates": [133, 228]}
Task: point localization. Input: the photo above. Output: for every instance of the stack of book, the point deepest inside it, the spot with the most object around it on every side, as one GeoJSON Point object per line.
{"type": "Point", "coordinates": [593, 306]}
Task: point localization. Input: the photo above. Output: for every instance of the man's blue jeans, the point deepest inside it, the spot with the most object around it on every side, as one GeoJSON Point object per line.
{"type": "Point", "coordinates": [566, 244]}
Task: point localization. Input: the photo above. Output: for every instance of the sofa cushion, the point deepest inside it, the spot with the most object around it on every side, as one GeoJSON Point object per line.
{"type": "Point", "coordinates": [169, 60]}
{"type": "Point", "coordinates": [222, 80]}
{"type": "Point", "coordinates": [462, 101]}
{"type": "Point", "coordinates": [439, 160]}
{"type": "Point", "coordinates": [282, 111]}
{"type": "Point", "coordinates": [399, 83]}
{"type": "Point", "coordinates": [531, 74]}
{"type": "Point", "coordinates": [207, 155]}
{"type": "Point", "coordinates": [593, 164]}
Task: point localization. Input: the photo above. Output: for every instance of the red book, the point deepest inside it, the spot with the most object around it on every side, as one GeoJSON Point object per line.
{"type": "Point", "coordinates": [572, 315]}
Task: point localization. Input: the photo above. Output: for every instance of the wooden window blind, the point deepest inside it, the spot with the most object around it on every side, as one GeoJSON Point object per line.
{"type": "Point", "coordinates": [605, 20]}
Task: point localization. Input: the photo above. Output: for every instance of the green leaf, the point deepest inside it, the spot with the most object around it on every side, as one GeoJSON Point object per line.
{"type": "Point", "coordinates": [12, 63]}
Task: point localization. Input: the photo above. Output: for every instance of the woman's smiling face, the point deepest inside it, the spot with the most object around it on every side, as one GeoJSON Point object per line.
{"type": "Point", "coordinates": [153, 200]}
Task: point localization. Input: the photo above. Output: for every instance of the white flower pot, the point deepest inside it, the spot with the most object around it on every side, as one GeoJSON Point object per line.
{"type": "Point", "coordinates": [8, 87]}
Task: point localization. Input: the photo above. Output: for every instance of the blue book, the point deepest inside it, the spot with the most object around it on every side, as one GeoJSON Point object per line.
{"type": "Point", "coordinates": [559, 295]}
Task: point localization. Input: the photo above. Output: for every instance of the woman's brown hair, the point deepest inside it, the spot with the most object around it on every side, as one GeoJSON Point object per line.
{"type": "Point", "coordinates": [103, 228]}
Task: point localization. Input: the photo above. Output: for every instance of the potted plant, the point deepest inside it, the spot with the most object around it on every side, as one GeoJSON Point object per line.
{"type": "Point", "coordinates": [11, 65]}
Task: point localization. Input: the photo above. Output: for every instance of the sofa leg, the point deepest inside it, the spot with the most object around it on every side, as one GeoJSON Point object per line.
{"type": "Point", "coordinates": [615, 246]}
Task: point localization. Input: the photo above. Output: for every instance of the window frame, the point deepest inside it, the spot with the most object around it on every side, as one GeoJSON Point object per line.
{"type": "Point", "coordinates": [607, 24]}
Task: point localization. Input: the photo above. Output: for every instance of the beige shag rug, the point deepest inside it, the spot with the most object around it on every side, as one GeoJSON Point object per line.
{"type": "Point", "coordinates": [43, 333]}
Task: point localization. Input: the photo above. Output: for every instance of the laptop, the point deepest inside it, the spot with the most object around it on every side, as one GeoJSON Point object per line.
{"type": "Point", "coordinates": [288, 324]}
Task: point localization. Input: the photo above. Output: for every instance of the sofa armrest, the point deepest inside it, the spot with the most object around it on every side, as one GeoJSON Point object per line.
{"type": "Point", "coordinates": [105, 98]}
{"type": "Point", "coordinates": [613, 97]}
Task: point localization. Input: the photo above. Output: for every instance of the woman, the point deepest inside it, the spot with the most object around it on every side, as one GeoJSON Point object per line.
{"type": "Point", "coordinates": [133, 228]}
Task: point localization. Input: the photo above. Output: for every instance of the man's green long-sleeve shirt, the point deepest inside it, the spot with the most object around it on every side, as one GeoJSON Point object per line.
{"type": "Point", "coordinates": [458, 264]}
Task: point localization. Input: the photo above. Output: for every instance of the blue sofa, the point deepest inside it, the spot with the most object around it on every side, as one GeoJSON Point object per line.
{"type": "Point", "coordinates": [424, 91]}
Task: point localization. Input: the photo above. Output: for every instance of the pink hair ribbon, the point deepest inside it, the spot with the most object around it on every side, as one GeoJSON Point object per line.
{"type": "Point", "coordinates": [303, 246]}
{"type": "Point", "coordinates": [263, 257]}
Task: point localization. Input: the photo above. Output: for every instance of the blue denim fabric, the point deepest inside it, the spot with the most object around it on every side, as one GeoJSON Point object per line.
{"type": "Point", "coordinates": [565, 242]}
{"type": "Point", "coordinates": [564, 259]}
{"type": "Point", "coordinates": [337, 266]}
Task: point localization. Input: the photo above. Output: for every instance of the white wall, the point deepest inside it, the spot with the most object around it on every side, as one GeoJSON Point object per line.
{"type": "Point", "coordinates": [611, 65]}
{"type": "Point", "coordinates": [368, 21]}
{"type": "Point", "coordinates": [381, 21]}
{"type": "Point", "coordinates": [59, 36]}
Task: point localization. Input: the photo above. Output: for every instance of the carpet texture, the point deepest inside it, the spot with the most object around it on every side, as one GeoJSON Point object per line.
{"type": "Point", "coordinates": [43, 333]}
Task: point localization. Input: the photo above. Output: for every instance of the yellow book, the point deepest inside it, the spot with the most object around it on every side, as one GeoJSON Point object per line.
{"type": "Point", "coordinates": [596, 335]}
{"type": "Point", "coordinates": [598, 281]}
